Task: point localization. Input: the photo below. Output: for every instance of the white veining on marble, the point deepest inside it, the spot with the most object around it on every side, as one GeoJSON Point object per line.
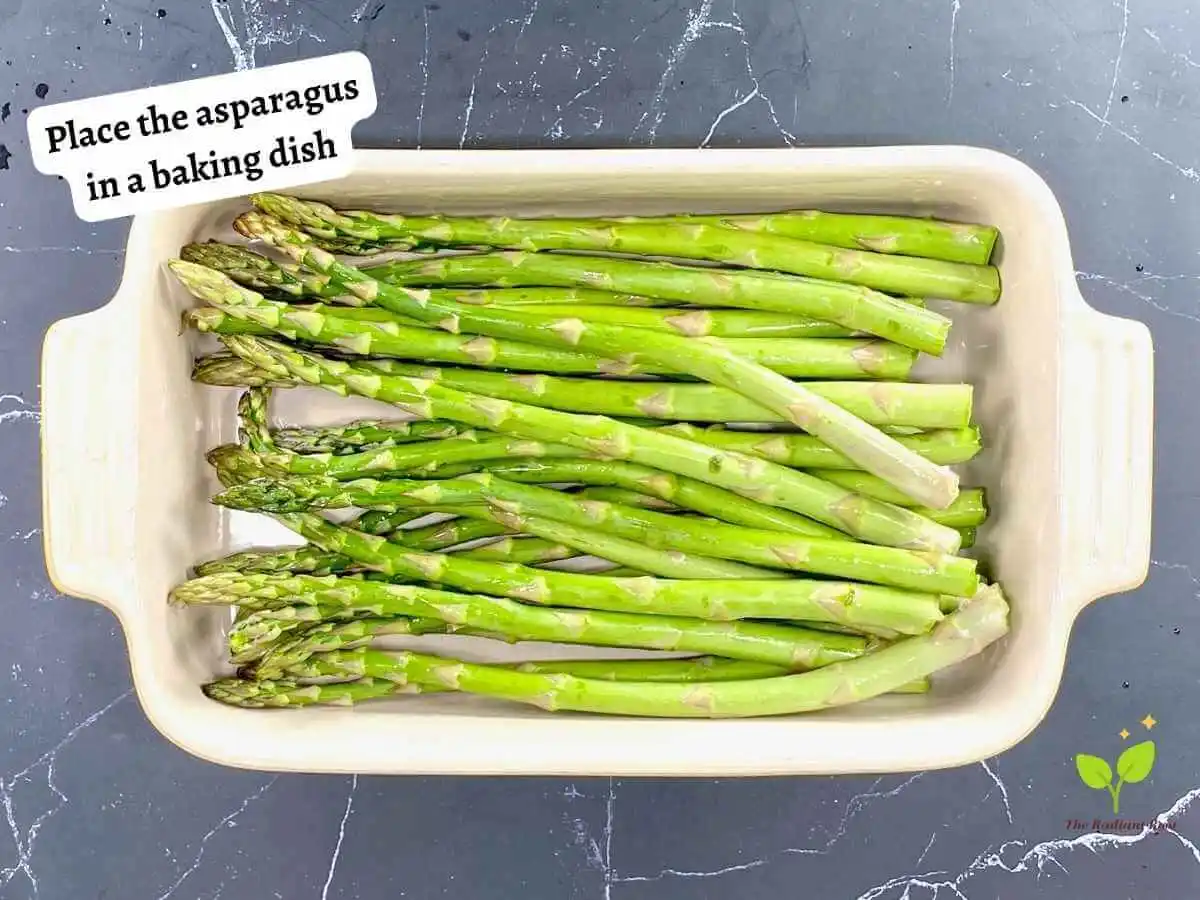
{"type": "Point", "coordinates": [341, 836]}
{"type": "Point", "coordinates": [928, 847]}
{"type": "Point", "coordinates": [87, 251]}
{"type": "Point", "coordinates": [424, 75]}
{"type": "Point", "coordinates": [1183, 57]}
{"type": "Point", "coordinates": [522, 23]}
{"type": "Point", "coordinates": [697, 21]}
{"type": "Point", "coordinates": [1035, 859]}
{"type": "Point", "coordinates": [1128, 288]}
{"type": "Point", "coordinates": [263, 23]}
{"type": "Point", "coordinates": [955, 8]}
{"type": "Point", "coordinates": [1000, 784]}
{"type": "Point", "coordinates": [1104, 120]}
{"type": "Point", "coordinates": [854, 806]}
{"type": "Point", "coordinates": [24, 412]}
{"type": "Point", "coordinates": [1116, 69]}
{"type": "Point", "coordinates": [755, 91]}
{"type": "Point", "coordinates": [1188, 172]}
{"type": "Point", "coordinates": [603, 61]}
{"type": "Point", "coordinates": [736, 105]}
{"type": "Point", "coordinates": [25, 839]}
{"type": "Point", "coordinates": [230, 819]}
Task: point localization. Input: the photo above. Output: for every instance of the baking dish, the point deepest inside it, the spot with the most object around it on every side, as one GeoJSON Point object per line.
{"type": "Point", "coordinates": [1064, 395]}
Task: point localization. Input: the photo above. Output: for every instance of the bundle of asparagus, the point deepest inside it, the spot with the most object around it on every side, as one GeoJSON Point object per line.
{"type": "Point", "coordinates": [631, 451]}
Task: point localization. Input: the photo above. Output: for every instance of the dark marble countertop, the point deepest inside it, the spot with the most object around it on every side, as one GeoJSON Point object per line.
{"type": "Point", "coordinates": [1099, 97]}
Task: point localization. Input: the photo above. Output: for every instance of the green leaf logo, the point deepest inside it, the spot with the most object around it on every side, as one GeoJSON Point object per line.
{"type": "Point", "coordinates": [1093, 771]}
{"type": "Point", "coordinates": [1135, 763]}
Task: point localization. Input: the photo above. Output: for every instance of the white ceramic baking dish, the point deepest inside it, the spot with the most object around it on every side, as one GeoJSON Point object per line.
{"type": "Point", "coordinates": [1064, 396]}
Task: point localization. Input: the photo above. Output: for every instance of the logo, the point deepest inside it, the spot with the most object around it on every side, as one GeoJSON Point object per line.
{"type": "Point", "coordinates": [1133, 765]}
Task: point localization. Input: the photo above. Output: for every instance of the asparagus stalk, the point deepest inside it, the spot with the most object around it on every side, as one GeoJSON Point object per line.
{"type": "Point", "coordinates": [624, 496]}
{"type": "Point", "coordinates": [721, 323]}
{"type": "Point", "coordinates": [685, 492]}
{"type": "Point", "coordinates": [256, 271]}
{"type": "Point", "coordinates": [249, 643]}
{"type": "Point", "coordinates": [306, 560]}
{"type": "Point", "coordinates": [528, 551]}
{"type": "Point", "coordinates": [839, 558]}
{"type": "Point", "coordinates": [362, 435]}
{"type": "Point", "coordinates": [497, 455]}
{"type": "Point", "coordinates": [389, 336]}
{"type": "Point", "coordinates": [892, 404]}
{"type": "Point", "coordinates": [875, 451]}
{"type": "Point", "coordinates": [669, 562]}
{"type": "Point", "coordinates": [910, 236]}
{"type": "Point", "coordinates": [757, 479]}
{"type": "Point", "coordinates": [684, 240]}
{"type": "Point", "coordinates": [945, 446]}
{"type": "Point", "coordinates": [977, 624]}
{"type": "Point", "coordinates": [857, 606]}
{"type": "Point", "coordinates": [969, 508]}
{"type": "Point", "coordinates": [778, 644]}
{"type": "Point", "coordinates": [856, 309]}
{"type": "Point", "coordinates": [801, 451]}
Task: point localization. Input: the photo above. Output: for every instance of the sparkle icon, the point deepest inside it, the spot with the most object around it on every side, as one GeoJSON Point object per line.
{"type": "Point", "coordinates": [1149, 721]}
{"type": "Point", "coordinates": [1124, 733]}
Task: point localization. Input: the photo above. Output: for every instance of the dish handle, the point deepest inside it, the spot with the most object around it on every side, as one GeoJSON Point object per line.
{"type": "Point", "coordinates": [1107, 441]}
{"type": "Point", "coordinates": [89, 478]}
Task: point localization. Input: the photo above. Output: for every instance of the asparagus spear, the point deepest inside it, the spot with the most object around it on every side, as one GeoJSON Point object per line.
{"type": "Point", "coordinates": [307, 560]}
{"type": "Point", "coordinates": [669, 562]}
{"type": "Point", "coordinates": [624, 496]}
{"type": "Point", "coordinates": [855, 309]}
{"type": "Point", "coordinates": [497, 455]}
{"type": "Point", "coordinates": [977, 624]}
{"type": "Point", "coordinates": [665, 237]}
{"type": "Point", "coordinates": [415, 458]}
{"type": "Point", "coordinates": [249, 644]}
{"type": "Point", "coordinates": [661, 531]}
{"type": "Point", "coordinates": [856, 606]}
{"type": "Point", "coordinates": [946, 446]}
{"type": "Point", "coordinates": [968, 509]}
{"type": "Point", "coordinates": [760, 480]}
{"type": "Point", "coordinates": [723, 323]}
{"type": "Point", "coordinates": [388, 336]}
{"type": "Point", "coordinates": [875, 451]}
{"type": "Point", "coordinates": [254, 270]}
{"type": "Point", "coordinates": [292, 654]}
{"type": "Point", "coordinates": [528, 551]}
{"type": "Point", "coordinates": [362, 435]}
{"type": "Point", "coordinates": [892, 404]}
{"type": "Point", "coordinates": [778, 644]}
{"type": "Point", "coordinates": [910, 236]}
{"type": "Point", "coordinates": [686, 492]}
